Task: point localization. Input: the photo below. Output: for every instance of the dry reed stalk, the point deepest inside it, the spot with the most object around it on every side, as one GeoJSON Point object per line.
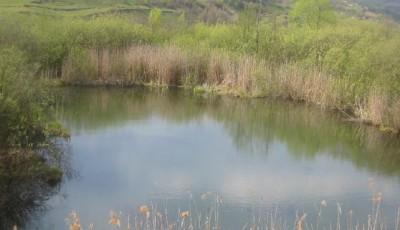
{"type": "Point", "coordinates": [246, 68]}
{"type": "Point", "coordinates": [378, 102]}
{"type": "Point", "coordinates": [317, 88]}
{"type": "Point", "coordinates": [395, 114]}
{"type": "Point", "coordinates": [377, 109]}
{"type": "Point", "coordinates": [217, 69]}
{"type": "Point", "coordinates": [300, 222]}
{"type": "Point", "coordinates": [397, 220]}
{"type": "Point", "coordinates": [288, 80]}
{"type": "Point", "coordinates": [338, 217]}
{"type": "Point", "coordinates": [164, 66]}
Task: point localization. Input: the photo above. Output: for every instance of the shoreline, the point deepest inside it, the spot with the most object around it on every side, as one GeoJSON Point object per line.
{"type": "Point", "coordinates": [346, 116]}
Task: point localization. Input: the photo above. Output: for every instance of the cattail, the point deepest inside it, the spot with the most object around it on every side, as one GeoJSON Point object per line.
{"type": "Point", "coordinates": [114, 219]}
{"type": "Point", "coordinates": [75, 226]}
{"type": "Point", "coordinates": [144, 209]}
{"type": "Point", "coordinates": [184, 214]}
{"type": "Point", "coordinates": [300, 222]}
{"type": "Point", "coordinates": [74, 222]}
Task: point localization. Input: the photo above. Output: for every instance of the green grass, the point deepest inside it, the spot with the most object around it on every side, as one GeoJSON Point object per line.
{"type": "Point", "coordinates": [70, 9]}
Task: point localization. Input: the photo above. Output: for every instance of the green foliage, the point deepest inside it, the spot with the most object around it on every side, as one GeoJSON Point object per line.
{"type": "Point", "coordinates": [105, 32]}
{"type": "Point", "coordinates": [358, 55]}
{"type": "Point", "coordinates": [22, 103]}
{"type": "Point", "coordinates": [155, 18]}
{"type": "Point", "coordinates": [313, 13]}
{"type": "Point", "coordinates": [360, 50]}
{"type": "Point", "coordinates": [182, 22]}
{"type": "Point", "coordinates": [48, 41]}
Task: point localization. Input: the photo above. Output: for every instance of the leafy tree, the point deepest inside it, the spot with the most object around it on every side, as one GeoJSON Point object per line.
{"type": "Point", "coordinates": [313, 13]}
{"type": "Point", "coordinates": [155, 18]}
{"type": "Point", "coordinates": [247, 20]}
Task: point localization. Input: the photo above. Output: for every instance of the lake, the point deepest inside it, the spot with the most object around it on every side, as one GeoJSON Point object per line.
{"type": "Point", "coordinates": [233, 163]}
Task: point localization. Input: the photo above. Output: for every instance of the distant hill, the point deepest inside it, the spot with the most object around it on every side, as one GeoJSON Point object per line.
{"type": "Point", "coordinates": [205, 10]}
{"type": "Point", "coordinates": [388, 7]}
{"type": "Point", "coordinates": [210, 11]}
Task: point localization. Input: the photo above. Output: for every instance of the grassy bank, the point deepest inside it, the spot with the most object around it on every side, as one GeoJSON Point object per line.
{"type": "Point", "coordinates": [333, 60]}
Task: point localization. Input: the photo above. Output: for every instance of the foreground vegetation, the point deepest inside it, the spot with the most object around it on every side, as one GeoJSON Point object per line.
{"type": "Point", "coordinates": [30, 148]}
{"type": "Point", "coordinates": [311, 54]}
{"type": "Point", "coordinates": [206, 212]}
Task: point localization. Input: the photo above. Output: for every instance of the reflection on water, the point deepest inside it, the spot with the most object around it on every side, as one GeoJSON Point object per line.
{"type": "Point", "coordinates": [28, 179]}
{"type": "Point", "coordinates": [134, 146]}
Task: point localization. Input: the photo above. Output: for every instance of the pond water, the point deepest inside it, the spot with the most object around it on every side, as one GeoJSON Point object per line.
{"type": "Point", "coordinates": [235, 162]}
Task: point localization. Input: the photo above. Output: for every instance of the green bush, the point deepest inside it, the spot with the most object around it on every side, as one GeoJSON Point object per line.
{"type": "Point", "coordinates": [23, 103]}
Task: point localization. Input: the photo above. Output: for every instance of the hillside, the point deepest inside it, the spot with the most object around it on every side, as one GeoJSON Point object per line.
{"type": "Point", "coordinates": [389, 7]}
{"type": "Point", "coordinates": [210, 11]}
{"type": "Point", "coordinates": [205, 10]}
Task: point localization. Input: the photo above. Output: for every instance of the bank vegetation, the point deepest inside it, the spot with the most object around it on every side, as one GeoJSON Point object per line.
{"type": "Point", "coordinates": [311, 54]}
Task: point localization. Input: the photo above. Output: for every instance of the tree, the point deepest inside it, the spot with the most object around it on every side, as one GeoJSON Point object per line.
{"type": "Point", "coordinates": [155, 18]}
{"type": "Point", "coordinates": [247, 20]}
{"type": "Point", "coordinates": [313, 13]}
{"type": "Point", "coordinates": [182, 20]}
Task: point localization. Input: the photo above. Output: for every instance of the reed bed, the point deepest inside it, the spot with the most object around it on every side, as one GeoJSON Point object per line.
{"type": "Point", "coordinates": [379, 108]}
{"type": "Point", "coordinates": [171, 66]}
{"type": "Point", "coordinates": [163, 66]}
{"type": "Point", "coordinates": [239, 75]}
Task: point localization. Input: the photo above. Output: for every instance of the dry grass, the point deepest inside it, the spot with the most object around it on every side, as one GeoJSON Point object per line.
{"type": "Point", "coordinates": [310, 86]}
{"type": "Point", "coordinates": [374, 107]}
{"type": "Point", "coordinates": [380, 110]}
{"type": "Point", "coordinates": [395, 114]}
{"type": "Point", "coordinates": [168, 66]}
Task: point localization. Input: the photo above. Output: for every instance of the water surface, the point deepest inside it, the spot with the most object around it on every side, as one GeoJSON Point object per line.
{"type": "Point", "coordinates": [169, 148]}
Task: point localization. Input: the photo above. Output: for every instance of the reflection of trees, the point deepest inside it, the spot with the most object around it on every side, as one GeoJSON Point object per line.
{"type": "Point", "coordinates": [27, 180]}
{"type": "Point", "coordinates": [309, 132]}
{"type": "Point", "coordinates": [253, 124]}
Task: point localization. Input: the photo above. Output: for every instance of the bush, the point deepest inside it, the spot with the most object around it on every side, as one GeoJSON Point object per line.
{"type": "Point", "coordinates": [23, 103]}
